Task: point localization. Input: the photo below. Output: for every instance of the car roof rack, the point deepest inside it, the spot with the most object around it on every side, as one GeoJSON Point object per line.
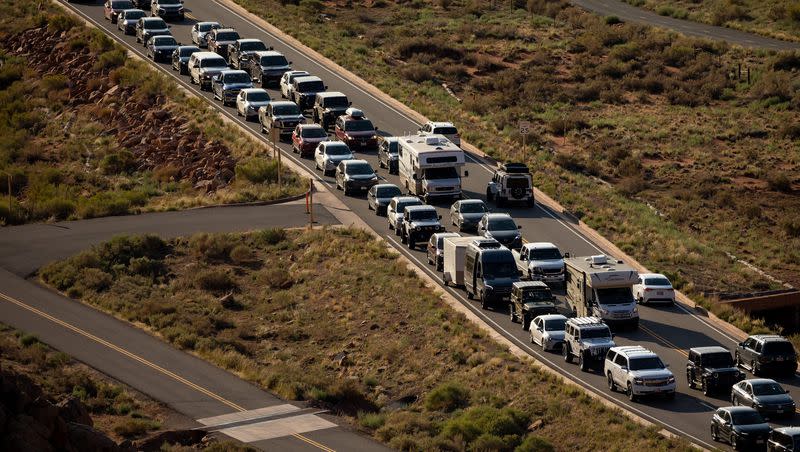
{"type": "Point", "coordinates": [587, 321]}
{"type": "Point", "coordinates": [487, 244]}
{"type": "Point", "coordinates": [515, 168]}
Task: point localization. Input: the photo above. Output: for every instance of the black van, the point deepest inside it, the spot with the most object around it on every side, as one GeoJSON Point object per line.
{"type": "Point", "coordinates": [489, 272]}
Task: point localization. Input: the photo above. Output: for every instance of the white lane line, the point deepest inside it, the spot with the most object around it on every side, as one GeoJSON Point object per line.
{"type": "Point", "coordinates": [277, 428]}
{"type": "Point", "coordinates": [258, 27]}
{"type": "Point", "coordinates": [525, 346]}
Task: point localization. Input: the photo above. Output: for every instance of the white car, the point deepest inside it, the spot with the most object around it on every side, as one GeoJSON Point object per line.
{"type": "Point", "coordinates": [200, 30]}
{"type": "Point", "coordinates": [442, 128]}
{"type": "Point", "coordinates": [638, 372]}
{"type": "Point", "coordinates": [548, 331]}
{"type": "Point", "coordinates": [395, 210]}
{"type": "Point", "coordinates": [328, 155]}
{"type": "Point", "coordinates": [653, 288]}
{"type": "Point", "coordinates": [249, 100]}
{"type": "Point", "coordinates": [286, 82]}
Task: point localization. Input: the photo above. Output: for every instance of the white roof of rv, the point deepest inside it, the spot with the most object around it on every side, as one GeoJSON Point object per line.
{"type": "Point", "coordinates": [425, 143]}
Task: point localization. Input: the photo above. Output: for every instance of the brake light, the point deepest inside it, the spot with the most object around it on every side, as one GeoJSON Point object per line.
{"type": "Point", "coordinates": [648, 289]}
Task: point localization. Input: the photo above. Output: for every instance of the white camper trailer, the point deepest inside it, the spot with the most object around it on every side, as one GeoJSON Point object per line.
{"type": "Point", "coordinates": [430, 166]}
{"type": "Point", "coordinates": [453, 262]}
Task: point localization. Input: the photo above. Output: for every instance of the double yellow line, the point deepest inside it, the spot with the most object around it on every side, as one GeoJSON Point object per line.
{"type": "Point", "coordinates": [147, 363]}
{"type": "Point", "coordinates": [665, 341]}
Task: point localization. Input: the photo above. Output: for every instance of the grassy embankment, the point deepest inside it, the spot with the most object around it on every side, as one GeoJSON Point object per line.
{"type": "Point", "coordinates": [63, 152]}
{"type": "Point", "coordinates": [333, 317]}
{"type": "Point", "coordinates": [649, 137]}
{"type": "Point", "coordinates": [116, 410]}
{"type": "Point", "coordinates": [774, 18]}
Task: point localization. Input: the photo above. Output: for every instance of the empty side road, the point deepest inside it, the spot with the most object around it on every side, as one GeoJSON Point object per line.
{"type": "Point", "coordinates": [630, 13]}
{"type": "Point", "coordinates": [217, 399]}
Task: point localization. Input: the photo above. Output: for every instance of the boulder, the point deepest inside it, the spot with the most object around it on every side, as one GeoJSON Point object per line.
{"type": "Point", "coordinates": [82, 437]}
{"type": "Point", "coordinates": [72, 410]}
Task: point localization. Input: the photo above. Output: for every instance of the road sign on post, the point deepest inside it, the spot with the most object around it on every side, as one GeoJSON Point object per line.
{"type": "Point", "coordinates": [524, 130]}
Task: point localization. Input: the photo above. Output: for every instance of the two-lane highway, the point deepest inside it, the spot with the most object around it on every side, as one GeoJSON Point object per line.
{"type": "Point", "coordinates": [667, 331]}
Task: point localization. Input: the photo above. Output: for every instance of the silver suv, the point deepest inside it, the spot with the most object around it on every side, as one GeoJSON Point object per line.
{"type": "Point", "coordinates": [512, 182]}
{"type": "Point", "coordinates": [638, 372]}
{"type": "Point", "coordinates": [588, 339]}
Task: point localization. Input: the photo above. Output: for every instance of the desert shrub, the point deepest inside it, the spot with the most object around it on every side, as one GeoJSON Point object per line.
{"type": "Point", "coordinates": [790, 131]}
{"type": "Point", "coordinates": [258, 170]}
{"type": "Point", "coordinates": [56, 208]}
{"type": "Point", "coordinates": [242, 254]}
{"type": "Point", "coordinates": [276, 278]}
{"type": "Point", "coordinates": [270, 236]}
{"type": "Point", "coordinates": [167, 173]}
{"type": "Point", "coordinates": [417, 73]}
{"type": "Point", "coordinates": [111, 203]}
{"type": "Point", "coordinates": [447, 397]}
{"type": "Point", "coordinates": [94, 279]}
{"type": "Point", "coordinates": [145, 266]}
{"type": "Point", "coordinates": [774, 85]}
{"type": "Point", "coordinates": [785, 61]}
{"type": "Point", "coordinates": [131, 428]}
{"type": "Point", "coordinates": [111, 59]}
{"type": "Point", "coordinates": [215, 281]}
{"type": "Point", "coordinates": [612, 20]}
{"type": "Point", "coordinates": [416, 45]}
{"type": "Point", "coordinates": [53, 82]}
{"type": "Point", "coordinates": [121, 250]}
{"type": "Point", "coordinates": [211, 246]}
{"type": "Point", "coordinates": [61, 22]}
{"type": "Point", "coordinates": [728, 11]}
{"type": "Point", "coordinates": [791, 225]}
{"type": "Point", "coordinates": [750, 211]}
{"type": "Point", "coordinates": [569, 162]}
{"type": "Point", "coordinates": [630, 185]}
{"type": "Point", "coordinates": [533, 443]}
{"type": "Point", "coordinates": [371, 421]}
{"type": "Point", "coordinates": [479, 420]}
{"type": "Point", "coordinates": [779, 181]}
{"type": "Point", "coordinates": [561, 125]}
{"type": "Point", "coordinates": [118, 163]}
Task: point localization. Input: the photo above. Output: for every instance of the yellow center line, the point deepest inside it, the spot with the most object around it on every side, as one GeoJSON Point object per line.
{"type": "Point", "coordinates": [665, 341]}
{"type": "Point", "coordinates": [146, 363]}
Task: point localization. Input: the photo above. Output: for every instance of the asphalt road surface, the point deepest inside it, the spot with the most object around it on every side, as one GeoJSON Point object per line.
{"type": "Point", "coordinates": [213, 397]}
{"type": "Point", "coordinates": [630, 13]}
{"type": "Point", "coordinates": [668, 331]}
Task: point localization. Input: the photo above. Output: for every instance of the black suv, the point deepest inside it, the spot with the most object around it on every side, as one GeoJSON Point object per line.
{"type": "Point", "coordinates": [767, 353]}
{"type": "Point", "coordinates": [712, 369]}
{"type": "Point", "coordinates": [329, 105]}
{"type": "Point", "coordinates": [530, 299]}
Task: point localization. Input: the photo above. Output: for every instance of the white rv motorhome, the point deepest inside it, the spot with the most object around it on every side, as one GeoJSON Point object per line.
{"type": "Point", "coordinates": [430, 166]}
{"type": "Point", "coordinates": [602, 287]}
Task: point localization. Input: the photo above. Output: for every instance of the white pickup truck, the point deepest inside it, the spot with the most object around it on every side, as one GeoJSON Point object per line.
{"type": "Point", "coordinates": [541, 261]}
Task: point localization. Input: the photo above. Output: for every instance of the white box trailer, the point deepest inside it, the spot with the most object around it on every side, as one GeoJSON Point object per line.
{"type": "Point", "coordinates": [454, 250]}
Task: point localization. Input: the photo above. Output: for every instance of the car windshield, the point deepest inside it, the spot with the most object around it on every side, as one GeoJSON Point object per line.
{"type": "Point", "coordinates": [252, 46]}
{"type": "Point", "coordinates": [361, 125]}
{"type": "Point", "coordinates": [653, 362]}
{"type": "Point", "coordinates": [615, 295]}
{"type": "Point", "coordinates": [387, 192]}
{"type": "Point", "coordinates": [207, 27]}
{"type": "Point", "coordinates": [258, 96]}
{"type": "Point", "coordinates": [313, 132]}
{"type": "Point", "coordinates": [517, 182]}
{"type": "Point", "coordinates": [501, 224]}
{"type": "Point", "coordinates": [401, 206]}
{"type": "Point", "coordinates": [237, 77]}
{"type": "Point", "coordinates": [164, 41]}
{"type": "Point", "coordinates": [537, 295]}
{"type": "Point", "coordinates": [499, 265]}
{"type": "Point", "coordinates": [715, 360]}
{"type": "Point", "coordinates": [778, 348]}
{"type": "Point", "coordinates": [555, 325]}
{"type": "Point", "coordinates": [596, 333]}
{"type": "Point", "coordinates": [213, 62]}
{"type": "Point", "coordinates": [441, 173]}
{"type": "Point", "coordinates": [359, 169]}
{"type": "Point", "coordinates": [291, 77]}
{"type": "Point", "coordinates": [473, 207]}
{"type": "Point", "coordinates": [122, 4]}
{"type": "Point", "coordinates": [392, 147]}
{"type": "Point", "coordinates": [545, 254]}
{"type": "Point", "coordinates": [135, 14]}
{"type": "Point", "coordinates": [445, 130]}
{"type": "Point", "coordinates": [424, 214]}
{"type": "Point", "coordinates": [274, 60]}
{"type": "Point", "coordinates": [337, 149]}
{"type": "Point", "coordinates": [169, 2]}
{"type": "Point", "coordinates": [314, 86]}
{"type": "Point", "coordinates": [227, 36]}
{"type": "Point", "coordinates": [285, 110]}
{"type": "Point", "coordinates": [747, 418]}
{"type": "Point", "coordinates": [765, 389]}
{"type": "Point", "coordinates": [188, 51]}
{"type": "Point", "coordinates": [336, 102]}
{"type": "Point", "coordinates": [156, 24]}
{"type": "Point", "coordinates": [657, 282]}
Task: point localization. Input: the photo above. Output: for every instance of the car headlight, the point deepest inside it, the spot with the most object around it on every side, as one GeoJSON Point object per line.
{"type": "Point", "coordinates": [537, 270]}
{"type": "Point", "coordinates": [517, 237]}
{"type": "Point", "coordinates": [162, 10]}
{"type": "Point", "coordinates": [671, 380]}
{"type": "Point", "coordinates": [416, 228]}
{"type": "Point", "coordinates": [635, 310]}
{"type": "Point", "coordinates": [638, 381]}
{"type": "Point", "coordinates": [489, 288]}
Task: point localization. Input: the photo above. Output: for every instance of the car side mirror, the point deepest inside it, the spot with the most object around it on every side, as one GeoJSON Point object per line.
{"type": "Point", "coordinates": [741, 344]}
{"type": "Point", "coordinates": [566, 255]}
{"type": "Point", "coordinates": [785, 391]}
{"type": "Point", "coordinates": [519, 273]}
{"type": "Point", "coordinates": [350, 104]}
{"type": "Point", "coordinates": [666, 365]}
{"type": "Point", "coordinates": [169, 26]}
{"type": "Point", "coordinates": [290, 62]}
{"type": "Point", "coordinates": [519, 226]}
{"type": "Point", "coordinates": [612, 335]}
{"type": "Point", "coordinates": [414, 176]}
{"type": "Point", "coordinates": [326, 87]}
{"type": "Point", "coordinates": [440, 217]}
{"type": "Point", "coordinates": [466, 173]}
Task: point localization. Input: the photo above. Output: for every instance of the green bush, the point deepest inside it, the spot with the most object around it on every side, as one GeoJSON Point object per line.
{"type": "Point", "coordinates": [211, 246]}
{"type": "Point", "coordinates": [215, 281]}
{"type": "Point", "coordinates": [258, 170]}
{"type": "Point", "coordinates": [779, 181]}
{"type": "Point", "coordinates": [271, 236]}
{"type": "Point", "coordinates": [371, 421]}
{"type": "Point", "coordinates": [447, 397]}
{"type": "Point", "coordinates": [122, 250]}
{"type": "Point", "coordinates": [118, 163]}
{"type": "Point", "coordinates": [132, 428]}
{"type": "Point", "coordinates": [480, 420]}
{"type": "Point", "coordinates": [242, 254]}
{"type": "Point", "coordinates": [94, 279]}
{"type": "Point", "coordinates": [111, 59]}
{"type": "Point", "coordinates": [535, 444]}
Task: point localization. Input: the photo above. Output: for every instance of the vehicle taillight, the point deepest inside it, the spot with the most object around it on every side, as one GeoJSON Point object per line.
{"type": "Point", "coordinates": [648, 289]}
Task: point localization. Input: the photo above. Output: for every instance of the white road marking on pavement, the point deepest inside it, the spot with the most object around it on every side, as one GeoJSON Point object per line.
{"type": "Point", "coordinates": [277, 428]}
{"type": "Point", "coordinates": [242, 416]}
